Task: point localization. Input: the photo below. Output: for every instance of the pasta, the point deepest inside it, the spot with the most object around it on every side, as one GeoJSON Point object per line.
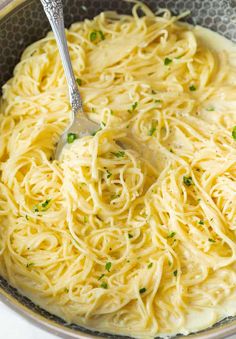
{"type": "Point", "coordinates": [133, 230]}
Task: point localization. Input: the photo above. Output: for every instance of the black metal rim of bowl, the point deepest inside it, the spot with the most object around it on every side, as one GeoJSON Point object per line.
{"type": "Point", "coordinates": [27, 23]}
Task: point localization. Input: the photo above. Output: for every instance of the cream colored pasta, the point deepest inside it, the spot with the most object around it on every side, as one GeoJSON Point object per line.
{"type": "Point", "coordinates": [137, 240]}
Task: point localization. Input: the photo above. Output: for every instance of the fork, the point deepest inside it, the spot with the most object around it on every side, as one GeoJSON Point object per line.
{"type": "Point", "coordinates": [80, 125]}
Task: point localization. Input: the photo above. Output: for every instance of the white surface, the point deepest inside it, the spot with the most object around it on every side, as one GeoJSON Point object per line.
{"type": "Point", "coordinates": [13, 326]}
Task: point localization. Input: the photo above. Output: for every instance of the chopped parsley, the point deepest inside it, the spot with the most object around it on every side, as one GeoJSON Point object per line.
{"type": "Point", "coordinates": [171, 235]}
{"type": "Point", "coordinates": [66, 290]}
{"type": "Point", "coordinates": [211, 240]}
{"type": "Point", "coordinates": [210, 109]}
{"type": "Point", "coordinates": [109, 174]}
{"type": "Point", "coordinates": [133, 107]}
{"type": "Point", "coordinates": [93, 36]}
{"type": "Point", "coordinates": [158, 101]}
{"type": "Point", "coordinates": [188, 181]}
{"type": "Point", "coordinates": [192, 88]}
{"type": "Point", "coordinates": [71, 137]}
{"type": "Point", "coordinates": [234, 133]}
{"type": "Point", "coordinates": [45, 203]}
{"type": "Point", "coordinates": [102, 36]}
{"type": "Point", "coordinates": [115, 195]}
{"type": "Point", "coordinates": [95, 132]}
{"type": "Point", "coordinates": [167, 61]}
{"type": "Point", "coordinates": [85, 219]}
{"type": "Point", "coordinates": [150, 265]}
{"type": "Point", "coordinates": [104, 285]}
{"type": "Point", "coordinates": [175, 273]}
{"type": "Point", "coordinates": [130, 236]}
{"type": "Point", "coordinates": [201, 222]}
{"type": "Point", "coordinates": [119, 154]}
{"type": "Point", "coordinates": [152, 130]}
{"type": "Point", "coordinates": [101, 276]}
{"type": "Point", "coordinates": [30, 265]}
{"type": "Point", "coordinates": [108, 266]}
{"type": "Point", "coordinates": [111, 112]}
{"type": "Point", "coordinates": [41, 207]}
{"type": "Point", "coordinates": [79, 81]}
{"type": "Point", "coordinates": [27, 217]}
{"type": "Point", "coordinates": [142, 290]}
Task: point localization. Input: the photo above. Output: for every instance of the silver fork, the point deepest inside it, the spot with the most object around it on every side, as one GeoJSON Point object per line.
{"type": "Point", "coordinates": [80, 125]}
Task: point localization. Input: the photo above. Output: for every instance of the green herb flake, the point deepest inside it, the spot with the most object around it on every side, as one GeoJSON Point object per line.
{"type": "Point", "coordinates": [95, 132]}
{"type": "Point", "coordinates": [210, 109]}
{"type": "Point", "coordinates": [234, 133]}
{"type": "Point", "coordinates": [158, 101]}
{"type": "Point", "coordinates": [133, 107]}
{"type": "Point", "coordinates": [188, 181]}
{"type": "Point", "coordinates": [150, 265]}
{"type": "Point", "coordinates": [211, 240]}
{"type": "Point", "coordinates": [152, 130]}
{"type": "Point", "coordinates": [41, 207]}
{"type": "Point", "coordinates": [114, 196]}
{"type": "Point", "coordinates": [171, 235]}
{"type": "Point", "coordinates": [93, 36]}
{"type": "Point", "coordinates": [79, 81]}
{"type": "Point", "coordinates": [108, 266]}
{"type": "Point", "coordinates": [167, 61]}
{"type": "Point", "coordinates": [175, 273]}
{"type": "Point", "coordinates": [111, 112]}
{"type": "Point", "coordinates": [101, 276]}
{"type": "Point", "coordinates": [46, 203]}
{"type": "Point", "coordinates": [192, 88]}
{"type": "Point", "coordinates": [35, 209]}
{"type": "Point", "coordinates": [104, 285]}
{"type": "Point", "coordinates": [119, 154]}
{"type": "Point", "coordinates": [142, 290]}
{"type": "Point", "coordinates": [66, 290]}
{"type": "Point", "coordinates": [130, 236]}
{"type": "Point", "coordinates": [102, 36]}
{"type": "Point", "coordinates": [201, 222]}
{"type": "Point", "coordinates": [30, 265]}
{"type": "Point", "coordinates": [85, 219]}
{"type": "Point", "coordinates": [109, 174]}
{"type": "Point", "coordinates": [71, 137]}
{"type": "Point", "coordinates": [27, 217]}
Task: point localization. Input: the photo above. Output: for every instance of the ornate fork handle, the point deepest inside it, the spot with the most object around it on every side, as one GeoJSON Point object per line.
{"type": "Point", "coordinates": [54, 12]}
{"type": "Point", "coordinates": [53, 9]}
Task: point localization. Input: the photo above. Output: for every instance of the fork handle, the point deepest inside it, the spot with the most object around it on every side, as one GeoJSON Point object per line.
{"type": "Point", "coordinates": [54, 12]}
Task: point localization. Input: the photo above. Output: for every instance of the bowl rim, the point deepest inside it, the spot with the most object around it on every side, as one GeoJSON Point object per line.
{"type": "Point", "coordinates": [218, 330]}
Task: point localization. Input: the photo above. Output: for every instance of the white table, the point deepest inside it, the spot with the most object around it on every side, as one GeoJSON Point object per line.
{"type": "Point", "coordinates": [13, 326]}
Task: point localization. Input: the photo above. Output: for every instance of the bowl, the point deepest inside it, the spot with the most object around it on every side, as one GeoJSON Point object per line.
{"type": "Point", "coordinates": [22, 23]}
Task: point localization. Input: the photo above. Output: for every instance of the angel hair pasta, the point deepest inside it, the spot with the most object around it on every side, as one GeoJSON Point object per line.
{"type": "Point", "coordinates": [133, 230]}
